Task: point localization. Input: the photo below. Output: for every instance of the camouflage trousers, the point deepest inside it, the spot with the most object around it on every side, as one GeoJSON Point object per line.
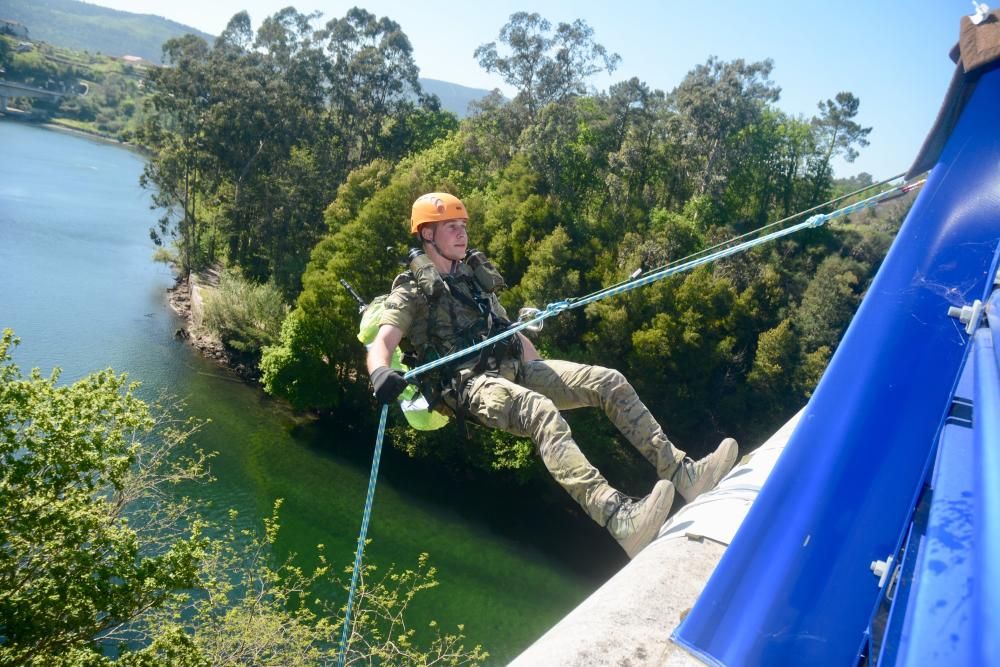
{"type": "Point", "coordinates": [527, 404]}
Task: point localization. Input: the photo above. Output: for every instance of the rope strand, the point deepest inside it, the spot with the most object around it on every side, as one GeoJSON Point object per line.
{"type": "Point", "coordinates": [362, 536]}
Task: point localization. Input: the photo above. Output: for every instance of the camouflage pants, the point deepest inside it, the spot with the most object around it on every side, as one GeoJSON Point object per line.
{"type": "Point", "coordinates": [528, 405]}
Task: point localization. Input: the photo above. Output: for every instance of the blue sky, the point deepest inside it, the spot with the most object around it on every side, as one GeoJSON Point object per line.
{"type": "Point", "coordinates": [893, 55]}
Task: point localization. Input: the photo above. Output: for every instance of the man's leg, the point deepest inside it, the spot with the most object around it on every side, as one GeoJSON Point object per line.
{"type": "Point", "coordinates": [500, 403]}
{"type": "Point", "coordinates": [571, 385]}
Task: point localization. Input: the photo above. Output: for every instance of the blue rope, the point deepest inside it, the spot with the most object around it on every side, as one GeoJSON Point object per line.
{"type": "Point", "coordinates": [557, 307]}
{"type": "Point", "coordinates": [363, 536]}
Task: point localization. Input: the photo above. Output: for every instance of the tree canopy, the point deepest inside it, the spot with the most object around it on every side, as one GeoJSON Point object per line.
{"type": "Point", "coordinates": [294, 153]}
{"type": "Point", "coordinates": [103, 561]}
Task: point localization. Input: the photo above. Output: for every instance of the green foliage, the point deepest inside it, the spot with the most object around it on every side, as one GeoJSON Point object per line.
{"type": "Point", "coordinates": [104, 563]}
{"type": "Point", "coordinates": [381, 634]}
{"type": "Point", "coordinates": [244, 315]}
{"type": "Point", "coordinates": [829, 302]}
{"type": "Point", "coordinates": [90, 541]}
{"type": "Point", "coordinates": [545, 68]}
{"type": "Point", "coordinates": [836, 134]}
{"type": "Point", "coordinates": [549, 278]}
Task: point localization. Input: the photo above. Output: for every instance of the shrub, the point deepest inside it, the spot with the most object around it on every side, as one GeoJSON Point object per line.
{"type": "Point", "coordinates": [245, 315]}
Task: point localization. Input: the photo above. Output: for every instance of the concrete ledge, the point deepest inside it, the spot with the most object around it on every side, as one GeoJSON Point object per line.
{"type": "Point", "coordinates": [629, 620]}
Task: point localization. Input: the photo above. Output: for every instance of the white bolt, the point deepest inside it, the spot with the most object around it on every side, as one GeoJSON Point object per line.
{"type": "Point", "coordinates": [967, 315]}
{"type": "Point", "coordinates": [880, 568]}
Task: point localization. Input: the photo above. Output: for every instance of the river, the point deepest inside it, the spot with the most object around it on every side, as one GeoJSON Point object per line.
{"type": "Point", "coordinates": [78, 286]}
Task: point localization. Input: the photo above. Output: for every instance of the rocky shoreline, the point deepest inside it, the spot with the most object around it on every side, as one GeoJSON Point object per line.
{"type": "Point", "coordinates": [185, 300]}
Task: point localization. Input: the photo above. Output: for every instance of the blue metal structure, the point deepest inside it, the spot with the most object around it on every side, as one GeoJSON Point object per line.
{"type": "Point", "coordinates": [796, 585]}
{"type": "Point", "coordinates": [929, 620]}
{"type": "Point", "coordinates": [986, 517]}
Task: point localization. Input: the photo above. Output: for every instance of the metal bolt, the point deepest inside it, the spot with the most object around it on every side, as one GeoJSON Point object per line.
{"type": "Point", "coordinates": [967, 315]}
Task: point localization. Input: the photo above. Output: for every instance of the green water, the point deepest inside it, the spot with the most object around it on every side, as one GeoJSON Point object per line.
{"type": "Point", "coordinates": [77, 285]}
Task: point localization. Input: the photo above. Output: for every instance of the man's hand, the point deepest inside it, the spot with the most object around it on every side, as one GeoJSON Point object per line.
{"type": "Point", "coordinates": [387, 383]}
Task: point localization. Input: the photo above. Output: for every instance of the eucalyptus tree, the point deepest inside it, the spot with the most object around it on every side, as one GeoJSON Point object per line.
{"type": "Point", "coordinates": [545, 66]}
{"type": "Point", "coordinates": [715, 102]}
{"type": "Point", "coordinates": [633, 161]}
{"type": "Point", "coordinates": [178, 98]}
{"type": "Point", "coordinates": [371, 78]}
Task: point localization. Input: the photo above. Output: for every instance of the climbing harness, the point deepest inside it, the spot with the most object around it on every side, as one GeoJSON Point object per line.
{"type": "Point", "coordinates": [636, 280]}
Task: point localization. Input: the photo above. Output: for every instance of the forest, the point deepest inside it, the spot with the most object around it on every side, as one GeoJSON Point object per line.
{"type": "Point", "coordinates": [291, 156]}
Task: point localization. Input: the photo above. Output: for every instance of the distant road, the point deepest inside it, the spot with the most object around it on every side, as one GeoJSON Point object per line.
{"type": "Point", "coordinates": [15, 89]}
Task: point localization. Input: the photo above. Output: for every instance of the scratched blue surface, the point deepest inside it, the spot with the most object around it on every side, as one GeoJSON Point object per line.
{"type": "Point", "coordinates": [986, 464]}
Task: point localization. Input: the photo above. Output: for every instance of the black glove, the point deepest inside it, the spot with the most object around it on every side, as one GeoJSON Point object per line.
{"type": "Point", "coordinates": [387, 383]}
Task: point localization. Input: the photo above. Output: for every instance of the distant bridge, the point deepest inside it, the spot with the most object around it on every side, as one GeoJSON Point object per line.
{"type": "Point", "coordinates": [15, 89]}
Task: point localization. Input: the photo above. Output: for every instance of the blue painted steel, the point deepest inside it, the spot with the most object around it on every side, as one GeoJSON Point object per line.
{"type": "Point", "coordinates": [795, 587]}
{"type": "Point", "coordinates": [986, 463]}
{"type": "Point", "coordinates": [937, 629]}
{"type": "Point", "coordinates": [898, 590]}
{"type": "Point", "coordinates": [993, 311]}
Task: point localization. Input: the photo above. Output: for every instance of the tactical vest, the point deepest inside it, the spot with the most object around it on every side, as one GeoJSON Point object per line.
{"type": "Point", "coordinates": [462, 310]}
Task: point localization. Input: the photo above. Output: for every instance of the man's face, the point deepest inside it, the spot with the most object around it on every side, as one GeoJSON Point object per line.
{"type": "Point", "coordinates": [451, 238]}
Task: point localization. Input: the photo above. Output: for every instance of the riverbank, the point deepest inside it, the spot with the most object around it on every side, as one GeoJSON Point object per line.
{"type": "Point", "coordinates": [19, 116]}
{"type": "Point", "coordinates": [187, 298]}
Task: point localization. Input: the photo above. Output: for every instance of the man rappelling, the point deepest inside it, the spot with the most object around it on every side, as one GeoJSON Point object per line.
{"type": "Point", "coordinates": [448, 301]}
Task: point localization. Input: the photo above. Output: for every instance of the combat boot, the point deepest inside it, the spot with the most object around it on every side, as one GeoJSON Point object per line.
{"type": "Point", "coordinates": [692, 478]}
{"type": "Point", "coordinates": [634, 523]}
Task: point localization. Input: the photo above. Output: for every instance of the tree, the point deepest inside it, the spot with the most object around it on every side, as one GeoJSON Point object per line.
{"type": "Point", "coordinates": [371, 74]}
{"type": "Point", "coordinates": [102, 564]}
{"type": "Point", "coordinates": [545, 67]}
{"type": "Point", "coordinates": [254, 135]}
{"type": "Point", "coordinates": [177, 92]}
{"type": "Point", "coordinates": [714, 102]}
{"type": "Point", "coordinates": [829, 302]}
{"type": "Point", "coordinates": [78, 567]}
{"type": "Point", "coordinates": [837, 133]}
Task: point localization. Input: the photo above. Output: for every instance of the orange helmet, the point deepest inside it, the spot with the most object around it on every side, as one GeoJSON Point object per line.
{"type": "Point", "coordinates": [435, 207]}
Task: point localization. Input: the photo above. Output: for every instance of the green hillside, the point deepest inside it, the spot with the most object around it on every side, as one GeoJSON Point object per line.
{"type": "Point", "coordinates": [85, 27]}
